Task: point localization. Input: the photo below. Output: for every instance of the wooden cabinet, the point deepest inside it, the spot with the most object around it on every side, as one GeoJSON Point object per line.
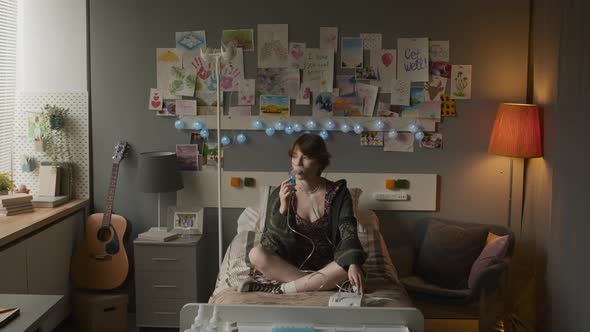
{"type": "Point", "coordinates": [165, 280]}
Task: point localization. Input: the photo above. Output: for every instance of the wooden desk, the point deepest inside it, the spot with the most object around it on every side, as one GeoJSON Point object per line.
{"type": "Point", "coordinates": [34, 310]}
{"type": "Point", "coordinates": [15, 227]}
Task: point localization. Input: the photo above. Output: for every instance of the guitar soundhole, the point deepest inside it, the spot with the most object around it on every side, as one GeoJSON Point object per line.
{"type": "Point", "coordinates": [104, 234]}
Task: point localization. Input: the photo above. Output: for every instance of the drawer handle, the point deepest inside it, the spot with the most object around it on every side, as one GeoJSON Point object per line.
{"type": "Point", "coordinates": [165, 313]}
{"type": "Point", "coordinates": [165, 259]}
{"type": "Point", "coordinates": [164, 286]}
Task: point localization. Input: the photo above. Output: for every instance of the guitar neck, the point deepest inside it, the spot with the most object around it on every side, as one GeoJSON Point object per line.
{"type": "Point", "coordinates": [106, 219]}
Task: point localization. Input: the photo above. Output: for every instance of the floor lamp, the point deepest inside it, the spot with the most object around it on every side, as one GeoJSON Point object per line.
{"type": "Point", "coordinates": [226, 52]}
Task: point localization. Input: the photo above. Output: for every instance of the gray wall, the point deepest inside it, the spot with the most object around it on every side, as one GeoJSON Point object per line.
{"type": "Point", "coordinates": [491, 36]}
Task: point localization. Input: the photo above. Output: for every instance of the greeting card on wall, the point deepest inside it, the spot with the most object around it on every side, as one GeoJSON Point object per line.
{"type": "Point", "coordinates": [168, 62]}
{"type": "Point", "coordinates": [350, 105]}
{"type": "Point", "coordinates": [386, 110]}
{"type": "Point", "coordinates": [242, 38]}
{"type": "Point", "coordinates": [345, 83]}
{"type": "Point", "coordinates": [412, 64]}
{"type": "Point", "coordinates": [352, 52]}
{"type": "Point", "coordinates": [447, 106]}
{"type": "Point", "coordinates": [461, 81]}
{"type": "Point", "coordinates": [441, 69]}
{"type": "Point", "coordinates": [400, 92]}
{"type": "Point", "coordinates": [369, 95]}
{"type": "Point", "coordinates": [297, 55]}
{"type": "Point", "coordinates": [273, 45]}
{"type": "Point", "coordinates": [371, 41]}
{"type": "Point", "coordinates": [246, 92]}
{"type": "Point", "coordinates": [186, 107]}
{"type": "Point", "coordinates": [232, 72]}
{"type": "Point", "coordinates": [155, 103]}
{"type": "Point", "coordinates": [385, 62]}
{"type": "Point", "coordinates": [278, 81]}
{"type": "Point", "coordinates": [322, 105]}
{"type": "Point", "coordinates": [274, 105]}
{"type": "Point", "coordinates": [190, 42]}
{"type": "Point", "coordinates": [319, 66]}
{"type": "Point", "coordinates": [372, 138]}
{"type": "Point", "coordinates": [435, 87]}
{"type": "Point", "coordinates": [304, 96]}
{"type": "Point", "coordinates": [168, 108]}
{"type": "Point", "coordinates": [187, 157]}
{"type": "Point", "coordinates": [404, 142]}
{"type": "Point", "coordinates": [329, 38]}
{"type": "Point", "coordinates": [432, 141]}
{"type": "Point", "coordinates": [439, 51]}
{"type": "Point", "coordinates": [240, 111]}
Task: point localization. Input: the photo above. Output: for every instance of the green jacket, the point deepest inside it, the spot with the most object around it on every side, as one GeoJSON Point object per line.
{"type": "Point", "coordinates": [279, 239]}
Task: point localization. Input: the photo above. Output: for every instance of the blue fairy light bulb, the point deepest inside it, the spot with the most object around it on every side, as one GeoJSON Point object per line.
{"type": "Point", "coordinates": [225, 140]}
{"type": "Point", "coordinates": [279, 126]}
{"type": "Point", "coordinates": [358, 129]}
{"type": "Point", "coordinates": [311, 125]}
{"type": "Point", "coordinates": [289, 130]}
{"type": "Point", "coordinates": [179, 124]}
{"type": "Point", "coordinates": [257, 124]}
{"type": "Point", "coordinates": [413, 128]}
{"type": "Point", "coordinates": [419, 135]}
{"type": "Point", "coordinates": [241, 138]}
{"type": "Point", "coordinates": [379, 124]}
{"type": "Point", "coordinates": [270, 131]}
{"type": "Point", "coordinates": [297, 127]}
{"type": "Point", "coordinates": [324, 134]}
{"type": "Point", "coordinates": [345, 128]}
{"type": "Point", "coordinates": [330, 125]}
{"type": "Point", "coordinates": [198, 125]}
{"type": "Point", "coordinates": [392, 134]}
{"type": "Point", "coordinates": [204, 133]}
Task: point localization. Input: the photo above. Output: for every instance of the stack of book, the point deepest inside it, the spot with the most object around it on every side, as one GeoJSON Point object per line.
{"type": "Point", "coordinates": [161, 236]}
{"type": "Point", "coordinates": [15, 204]}
{"type": "Point", "coordinates": [49, 201]}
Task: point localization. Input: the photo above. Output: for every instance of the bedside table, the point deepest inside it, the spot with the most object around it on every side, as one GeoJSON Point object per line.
{"type": "Point", "coordinates": [165, 279]}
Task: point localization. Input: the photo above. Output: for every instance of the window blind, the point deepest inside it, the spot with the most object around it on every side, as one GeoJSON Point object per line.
{"type": "Point", "coordinates": [8, 23]}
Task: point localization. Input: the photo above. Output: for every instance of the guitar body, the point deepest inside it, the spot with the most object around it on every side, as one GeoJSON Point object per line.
{"type": "Point", "coordinates": [100, 262]}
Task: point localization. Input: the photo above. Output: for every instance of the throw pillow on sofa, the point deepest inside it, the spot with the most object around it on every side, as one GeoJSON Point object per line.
{"type": "Point", "coordinates": [495, 249]}
{"type": "Point", "coordinates": [448, 252]}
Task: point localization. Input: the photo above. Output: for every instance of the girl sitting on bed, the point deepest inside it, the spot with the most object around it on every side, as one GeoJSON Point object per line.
{"type": "Point", "coordinates": [310, 241]}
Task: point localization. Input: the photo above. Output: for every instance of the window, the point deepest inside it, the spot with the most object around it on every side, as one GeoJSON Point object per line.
{"type": "Point", "coordinates": [8, 19]}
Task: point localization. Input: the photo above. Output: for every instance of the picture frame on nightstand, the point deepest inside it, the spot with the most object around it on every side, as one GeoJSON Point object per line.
{"type": "Point", "coordinates": [185, 220]}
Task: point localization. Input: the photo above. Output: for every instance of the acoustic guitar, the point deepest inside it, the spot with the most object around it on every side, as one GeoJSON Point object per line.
{"type": "Point", "coordinates": [100, 262]}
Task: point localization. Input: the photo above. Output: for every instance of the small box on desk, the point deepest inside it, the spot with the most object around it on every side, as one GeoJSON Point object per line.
{"type": "Point", "coordinates": [100, 311]}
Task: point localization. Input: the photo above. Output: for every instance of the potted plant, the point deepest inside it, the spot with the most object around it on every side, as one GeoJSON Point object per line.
{"type": "Point", "coordinates": [6, 184]}
{"type": "Point", "coordinates": [55, 116]}
{"type": "Point", "coordinates": [55, 138]}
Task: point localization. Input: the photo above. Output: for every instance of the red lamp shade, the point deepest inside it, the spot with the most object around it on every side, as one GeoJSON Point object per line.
{"type": "Point", "coordinates": [517, 131]}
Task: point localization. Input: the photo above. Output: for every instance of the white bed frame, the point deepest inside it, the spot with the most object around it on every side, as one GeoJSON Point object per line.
{"type": "Point", "coordinates": [262, 318]}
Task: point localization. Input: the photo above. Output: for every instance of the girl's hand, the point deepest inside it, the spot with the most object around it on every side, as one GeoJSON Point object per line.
{"type": "Point", "coordinates": [355, 276]}
{"type": "Point", "coordinates": [286, 190]}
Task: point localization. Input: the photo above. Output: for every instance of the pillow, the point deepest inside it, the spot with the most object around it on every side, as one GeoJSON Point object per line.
{"type": "Point", "coordinates": [448, 252]}
{"type": "Point", "coordinates": [495, 249]}
{"type": "Point", "coordinates": [248, 220]}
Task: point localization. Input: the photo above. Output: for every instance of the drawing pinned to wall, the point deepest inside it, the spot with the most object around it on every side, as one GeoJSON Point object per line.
{"type": "Point", "coordinates": [372, 138]}
{"type": "Point", "coordinates": [322, 105]}
{"type": "Point", "coordinates": [186, 107]}
{"type": "Point", "coordinates": [439, 51]}
{"type": "Point", "coordinates": [435, 87]}
{"type": "Point", "coordinates": [36, 128]}
{"type": "Point", "coordinates": [447, 106]}
{"type": "Point", "coordinates": [386, 110]}
{"type": "Point", "coordinates": [278, 81]}
{"type": "Point", "coordinates": [187, 157]}
{"type": "Point", "coordinates": [274, 105]}
{"type": "Point", "coordinates": [297, 55]}
{"type": "Point", "coordinates": [350, 105]}
{"type": "Point", "coordinates": [346, 84]}
{"type": "Point", "coordinates": [461, 81]}
{"type": "Point", "coordinates": [404, 142]}
{"type": "Point", "coordinates": [432, 141]}
{"type": "Point", "coordinates": [417, 95]}
{"type": "Point", "coordinates": [319, 66]}
{"type": "Point", "coordinates": [385, 63]}
{"type": "Point", "coordinates": [240, 111]}
{"type": "Point", "coordinates": [371, 41]}
{"type": "Point", "coordinates": [440, 69]}
{"type": "Point", "coordinates": [425, 110]}
{"type": "Point", "coordinates": [400, 92]}
{"type": "Point", "coordinates": [246, 92]}
{"type": "Point", "coordinates": [206, 85]}
{"type": "Point", "coordinates": [273, 45]}
{"type": "Point", "coordinates": [190, 43]}
{"type": "Point", "coordinates": [232, 72]}
{"type": "Point", "coordinates": [166, 60]}
{"type": "Point", "coordinates": [208, 98]}
{"type": "Point", "coordinates": [304, 96]}
{"type": "Point", "coordinates": [366, 73]}
{"type": "Point", "coordinates": [352, 53]}
{"type": "Point", "coordinates": [242, 38]}
{"type": "Point", "coordinates": [191, 40]}
{"type": "Point", "coordinates": [155, 103]}
{"type": "Point", "coordinates": [369, 95]}
{"type": "Point", "coordinates": [168, 108]}
{"type": "Point", "coordinates": [412, 64]}
{"type": "Point", "coordinates": [329, 38]}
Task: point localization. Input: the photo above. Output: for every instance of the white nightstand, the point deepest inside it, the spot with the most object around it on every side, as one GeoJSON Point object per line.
{"type": "Point", "coordinates": [165, 279]}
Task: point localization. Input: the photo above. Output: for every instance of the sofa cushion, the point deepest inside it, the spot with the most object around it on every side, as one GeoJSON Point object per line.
{"type": "Point", "coordinates": [493, 252]}
{"type": "Point", "coordinates": [415, 284]}
{"type": "Point", "coordinates": [448, 252]}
